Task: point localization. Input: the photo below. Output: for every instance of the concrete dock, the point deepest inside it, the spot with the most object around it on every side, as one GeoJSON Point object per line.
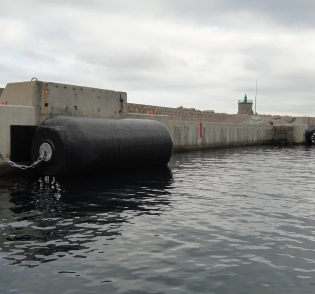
{"type": "Point", "coordinates": [200, 135]}
{"type": "Point", "coordinates": [30, 103]}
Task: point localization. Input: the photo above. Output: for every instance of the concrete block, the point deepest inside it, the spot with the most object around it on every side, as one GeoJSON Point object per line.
{"type": "Point", "coordinates": [310, 121]}
{"type": "Point", "coordinates": [80, 101]}
{"type": "Point", "coordinates": [294, 134]}
{"type": "Point", "coordinates": [187, 135]}
{"type": "Point", "coordinates": [22, 94]}
{"type": "Point", "coordinates": [13, 115]}
{"type": "Point", "coordinates": [53, 98]}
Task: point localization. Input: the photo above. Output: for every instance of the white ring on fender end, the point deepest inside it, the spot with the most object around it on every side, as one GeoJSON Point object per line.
{"type": "Point", "coordinates": [45, 151]}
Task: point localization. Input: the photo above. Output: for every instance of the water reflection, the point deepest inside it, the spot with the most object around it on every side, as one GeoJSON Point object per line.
{"type": "Point", "coordinates": [232, 221]}
{"type": "Point", "coordinates": [44, 219]}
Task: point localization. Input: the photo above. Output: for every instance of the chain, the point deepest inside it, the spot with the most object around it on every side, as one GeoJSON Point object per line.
{"type": "Point", "coordinates": [40, 159]}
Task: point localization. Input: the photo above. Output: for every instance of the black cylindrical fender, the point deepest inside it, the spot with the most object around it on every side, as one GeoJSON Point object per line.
{"type": "Point", "coordinates": [83, 145]}
{"type": "Point", "coordinates": [310, 137]}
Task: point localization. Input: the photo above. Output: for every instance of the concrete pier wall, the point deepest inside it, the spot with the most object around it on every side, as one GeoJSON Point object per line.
{"type": "Point", "coordinates": [192, 135]}
{"type": "Point", "coordinates": [310, 121]}
{"type": "Point", "coordinates": [298, 135]}
{"type": "Point", "coordinates": [29, 103]}
{"type": "Point", "coordinates": [199, 135]}
{"type": "Point", "coordinates": [192, 114]}
{"type": "Point", "coordinates": [53, 98]}
{"type": "Point", "coordinates": [12, 115]}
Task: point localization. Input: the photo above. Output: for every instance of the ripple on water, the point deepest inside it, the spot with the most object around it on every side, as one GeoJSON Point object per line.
{"type": "Point", "coordinates": [224, 221]}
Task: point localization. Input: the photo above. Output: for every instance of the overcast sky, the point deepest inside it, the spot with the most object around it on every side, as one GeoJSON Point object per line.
{"type": "Point", "coordinates": [204, 54]}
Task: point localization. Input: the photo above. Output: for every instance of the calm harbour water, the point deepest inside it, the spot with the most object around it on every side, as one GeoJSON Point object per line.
{"type": "Point", "coordinates": [222, 221]}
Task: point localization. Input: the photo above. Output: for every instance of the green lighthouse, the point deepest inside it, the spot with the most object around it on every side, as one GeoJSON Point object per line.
{"type": "Point", "coordinates": [245, 106]}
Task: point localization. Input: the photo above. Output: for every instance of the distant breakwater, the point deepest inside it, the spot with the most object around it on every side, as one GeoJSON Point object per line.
{"type": "Point", "coordinates": [194, 115]}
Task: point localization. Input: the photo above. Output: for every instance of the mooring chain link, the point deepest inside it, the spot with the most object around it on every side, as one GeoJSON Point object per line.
{"type": "Point", "coordinates": [21, 166]}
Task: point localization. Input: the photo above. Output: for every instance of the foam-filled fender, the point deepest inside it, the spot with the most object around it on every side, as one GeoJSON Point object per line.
{"type": "Point", "coordinates": [84, 145]}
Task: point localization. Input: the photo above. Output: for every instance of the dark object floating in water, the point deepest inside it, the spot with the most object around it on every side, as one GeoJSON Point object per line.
{"type": "Point", "coordinates": [310, 137]}
{"type": "Point", "coordinates": [83, 145]}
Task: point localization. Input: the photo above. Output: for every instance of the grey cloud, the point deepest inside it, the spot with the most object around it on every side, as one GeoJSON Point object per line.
{"type": "Point", "coordinates": [289, 13]}
{"type": "Point", "coordinates": [56, 50]}
{"type": "Point", "coordinates": [293, 13]}
{"type": "Point", "coordinates": [36, 57]}
{"type": "Point", "coordinates": [295, 83]}
{"type": "Point", "coordinates": [140, 60]}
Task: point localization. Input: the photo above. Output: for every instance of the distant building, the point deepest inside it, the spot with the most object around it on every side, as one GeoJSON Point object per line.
{"type": "Point", "coordinates": [245, 106]}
